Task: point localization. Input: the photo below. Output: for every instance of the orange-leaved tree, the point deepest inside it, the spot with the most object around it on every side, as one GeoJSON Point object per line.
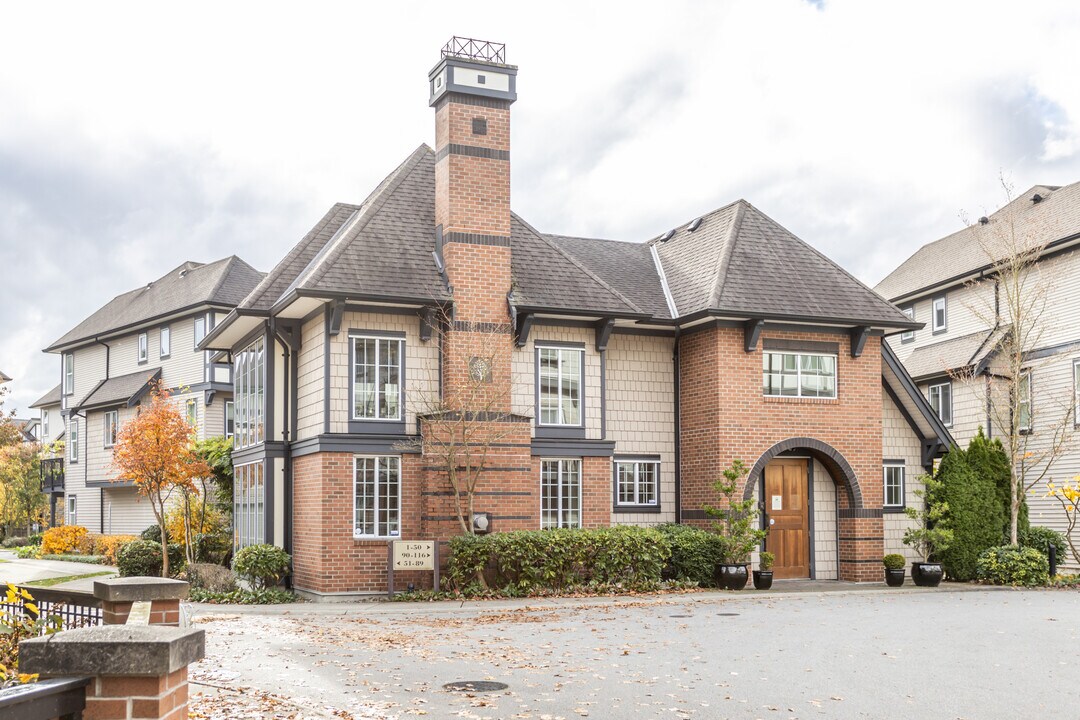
{"type": "Point", "coordinates": [156, 451]}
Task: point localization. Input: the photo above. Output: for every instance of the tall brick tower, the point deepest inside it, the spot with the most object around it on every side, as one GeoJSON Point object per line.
{"type": "Point", "coordinates": [472, 89]}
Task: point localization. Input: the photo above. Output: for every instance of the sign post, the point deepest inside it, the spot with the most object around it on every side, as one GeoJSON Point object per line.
{"type": "Point", "coordinates": [412, 555]}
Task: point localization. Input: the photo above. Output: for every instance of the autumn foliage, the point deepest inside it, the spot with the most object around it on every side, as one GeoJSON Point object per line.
{"type": "Point", "coordinates": [156, 451]}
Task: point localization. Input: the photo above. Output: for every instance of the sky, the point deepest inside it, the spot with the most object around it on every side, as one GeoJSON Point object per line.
{"type": "Point", "coordinates": [136, 136]}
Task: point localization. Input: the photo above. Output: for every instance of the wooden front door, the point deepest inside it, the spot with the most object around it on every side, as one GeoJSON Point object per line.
{"type": "Point", "coordinates": [787, 517]}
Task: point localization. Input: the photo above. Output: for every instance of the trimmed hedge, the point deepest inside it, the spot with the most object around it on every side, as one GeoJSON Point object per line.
{"type": "Point", "coordinates": [143, 558]}
{"type": "Point", "coordinates": [523, 562]}
{"type": "Point", "coordinates": [694, 553]}
{"type": "Point", "coordinates": [1012, 565]}
{"type": "Point", "coordinates": [975, 515]}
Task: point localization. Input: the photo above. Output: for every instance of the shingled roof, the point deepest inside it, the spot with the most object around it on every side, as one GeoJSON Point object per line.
{"type": "Point", "coordinates": [50, 398]}
{"type": "Point", "coordinates": [1055, 217]}
{"type": "Point", "coordinates": [120, 390]}
{"type": "Point", "coordinates": [224, 282]}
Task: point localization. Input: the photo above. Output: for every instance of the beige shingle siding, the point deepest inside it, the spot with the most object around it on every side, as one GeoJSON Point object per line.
{"type": "Point", "coordinates": [310, 372]}
{"type": "Point", "coordinates": [524, 373]}
{"type": "Point", "coordinates": [641, 411]}
{"type": "Point", "coordinates": [899, 442]}
{"type": "Point", "coordinates": [824, 525]}
{"type": "Point", "coordinates": [421, 366]}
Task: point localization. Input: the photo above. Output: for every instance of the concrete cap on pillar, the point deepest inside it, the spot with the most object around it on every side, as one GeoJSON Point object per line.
{"type": "Point", "coordinates": [122, 650]}
{"type": "Point", "coordinates": [132, 589]}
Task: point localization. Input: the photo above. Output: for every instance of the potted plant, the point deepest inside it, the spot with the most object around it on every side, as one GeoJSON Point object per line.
{"type": "Point", "coordinates": [763, 577]}
{"type": "Point", "coordinates": [735, 521]}
{"type": "Point", "coordinates": [894, 569]}
{"type": "Point", "coordinates": [930, 535]}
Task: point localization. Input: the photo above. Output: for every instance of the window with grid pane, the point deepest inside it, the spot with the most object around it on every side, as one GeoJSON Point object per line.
{"type": "Point", "coordinates": [1023, 405]}
{"type": "Point", "coordinates": [377, 378]}
{"type": "Point", "coordinates": [894, 485]}
{"type": "Point", "coordinates": [799, 375]}
{"type": "Point", "coordinates": [377, 497]}
{"type": "Point", "coordinates": [249, 519]}
{"type": "Point", "coordinates": [560, 494]}
{"type": "Point", "coordinates": [559, 375]}
{"type": "Point", "coordinates": [248, 407]}
{"type": "Point", "coordinates": [637, 483]}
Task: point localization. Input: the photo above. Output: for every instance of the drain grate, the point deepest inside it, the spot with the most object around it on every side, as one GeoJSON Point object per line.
{"type": "Point", "coordinates": [475, 686]}
{"type": "Point", "coordinates": [728, 614]}
{"type": "Point", "coordinates": [681, 616]}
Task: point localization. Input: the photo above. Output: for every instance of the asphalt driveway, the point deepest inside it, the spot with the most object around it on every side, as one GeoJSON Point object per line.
{"type": "Point", "coordinates": [972, 654]}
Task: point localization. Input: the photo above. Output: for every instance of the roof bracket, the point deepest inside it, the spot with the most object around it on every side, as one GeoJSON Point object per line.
{"type": "Point", "coordinates": [603, 333]}
{"type": "Point", "coordinates": [337, 311]}
{"type": "Point", "coordinates": [751, 333]}
{"type": "Point", "coordinates": [858, 340]}
{"type": "Point", "coordinates": [524, 326]}
{"type": "Point", "coordinates": [427, 323]}
{"type": "Point", "coordinates": [929, 452]}
{"type": "Point", "coordinates": [208, 397]}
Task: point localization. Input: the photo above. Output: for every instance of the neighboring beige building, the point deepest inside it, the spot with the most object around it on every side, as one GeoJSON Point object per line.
{"type": "Point", "coordinates": [953, 358]}
{"type": "Point", "coordinates": [107, 364]}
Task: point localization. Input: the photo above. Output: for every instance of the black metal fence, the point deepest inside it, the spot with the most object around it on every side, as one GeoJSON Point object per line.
{"type": "Point", "coordinates": [473, 49]}
{"type": "Point", "coordinates": [74, 609]}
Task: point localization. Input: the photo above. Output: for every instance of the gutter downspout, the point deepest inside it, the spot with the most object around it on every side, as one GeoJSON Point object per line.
{"type": "Point", "coordinates": [678, 423]}
{"type": "Point", "coordinates": [288, 410]}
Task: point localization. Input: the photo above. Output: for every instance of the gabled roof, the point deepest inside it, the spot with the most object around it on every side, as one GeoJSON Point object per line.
{"type": "Point", "coordinates": [741, 262]}
{"type": "Point", "coordinates": [50, 398]}
{"type": "Point", "coordinates": [225, 283]}
{"type": "Point", "coordinates": [900, 387]}
{"type": "Point", "coordinates": [121, 390]}
{"type": "Point", "coordinates": [955, 257]}
{"type": "Point", "coordinates": [951, 355]}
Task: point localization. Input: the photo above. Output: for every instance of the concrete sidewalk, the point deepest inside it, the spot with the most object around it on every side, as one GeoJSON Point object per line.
{"type": "Point", "coordinates": [14, 570]}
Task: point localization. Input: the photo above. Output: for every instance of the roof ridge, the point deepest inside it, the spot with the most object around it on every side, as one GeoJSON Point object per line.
{"type": "Point", "coordinates": [368, 210]}
{"type": "Point", "coordinates": [724, 261]}
{"type": "Point", "coordinates": [577, 263]}
{"type": "Point", "coordinates": [224, 276]}
{"type": "Point", "coordinates": [656, 238]}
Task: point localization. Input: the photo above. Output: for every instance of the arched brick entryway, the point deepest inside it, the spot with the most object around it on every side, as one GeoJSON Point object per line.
{"type": "Point", "coordinates": [833, 461]}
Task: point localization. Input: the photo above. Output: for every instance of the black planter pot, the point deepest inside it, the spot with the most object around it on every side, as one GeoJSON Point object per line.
{"type": "Point", "coordinates": [894, 578]}
{"type": "Point", "coordinates": [762, 579]}
{"type": "Point", "coordinates": [731, 577]}
{"type": "Point", "coordinates": [927, 574]}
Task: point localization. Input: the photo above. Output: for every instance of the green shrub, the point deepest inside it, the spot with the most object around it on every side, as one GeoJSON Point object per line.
{"type": "Point", "coordinates": [36, 538]}
{"type": "Point", "coordinates": [27, 552]}
{"type": "Point", "coordinates": [261, 565]}
{"type": "Point", "coordinates": [87, 559]}
{"type": "Point", "coordinates": [988, 459]}
{"type": "Point", "coordinates": [1041, 538]}
{"type": "Point", "coordinates": [1012, 565]}
{"type": "Point", "coordinates": [15, 541]}
{"type": "Point", "coordinates": [523, 562]}
{"type": "Point", "coordinates": [694, 553]}
{"type": "Point", "coordinates": [894, 561]}
{"type": "Point", "coordinates": [975, 514]}
{"type": "Point", "coordinates": [152, 533]}
{"type": "Point", "coordinates": [766, 560]}
{"type": "Point", "coordinates": [143, 558]}
{"type": "Point", "coordinates": [212, 547]}
{"type": "Point", "coordinates": [266, 596]}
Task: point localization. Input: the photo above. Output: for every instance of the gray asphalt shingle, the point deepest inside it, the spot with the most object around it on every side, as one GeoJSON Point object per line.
{"type": "Point", "coordinates": [119, 390]}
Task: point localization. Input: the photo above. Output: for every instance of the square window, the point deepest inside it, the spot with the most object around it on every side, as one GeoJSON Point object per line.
{"type": "Point", "coordinates": [637, 484]}
{"type": "Point", "coordinates": [481, 79]}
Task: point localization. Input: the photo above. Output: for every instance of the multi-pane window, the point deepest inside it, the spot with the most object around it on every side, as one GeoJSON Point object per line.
{"type": "Point", "coordinates": [165, 342]}
{"type": "Point", "coordinates": [1023, 402]}
{"type": "Point", "coordinates": [111, 425]}
{"type": "Point", "coordinates": [249, 519]}
{"type": "Point", "coordinates": [940, 314]}
{"type": "Point", "coordinates": [73, 439]}
{"type": "Point", "coordinates": [69, 374]}
{"type": "Point", "coordinates": [229, 422]}
{"type": "Point", "coordinates": [908, 335]}
{"type": "Point", "coordinates": [191, 412]}
{"type": "Point", "coordinates": [143, 347]}
{"type": "Point", "coordinates": [799, 375]}
{"type": "Point", "coordinates": [559, 374]}
{"type": "Point", "coordinates": [248, 391]}
{"type": "Point", "coordinates": [940, 396]}
{"type": "Point", "coordinates": [894, 485]}
{"type": "Point", "coordinates": [377, 497]}
{"type": "Point", "coordinates": [637, 483]}
{"type": "Point", "coordinates": [377, 371]}
{"type": "Point", "coordinates": [72, 508]}
{"type": "Point", "coordinates": [560, 494]}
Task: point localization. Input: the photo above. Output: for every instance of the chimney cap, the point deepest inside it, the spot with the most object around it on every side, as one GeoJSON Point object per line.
{"type": "Point", "coordinates": [473, 49]}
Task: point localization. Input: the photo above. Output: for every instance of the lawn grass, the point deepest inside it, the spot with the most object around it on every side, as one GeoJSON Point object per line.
{"type": "Point", "coordinates": [49, 582]}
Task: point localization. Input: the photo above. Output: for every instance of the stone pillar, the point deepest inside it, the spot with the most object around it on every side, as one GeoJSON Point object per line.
{"type": "Point", "coordinates": [136, 671]}
{"type": "Point", "coordinates": [119, 595]}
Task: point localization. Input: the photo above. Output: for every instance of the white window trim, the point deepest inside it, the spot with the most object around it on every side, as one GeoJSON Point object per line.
{"type": "Point", "coordinates": [1025, 379]}
{"type": "Point", "coordinates": [74, 440]}
{"type": "Point", "coordinates": [71, 510]}
{"type": "Point", "coordinates": [195, 329]}
{"type": "Point", "coordinates": [378, 355]}
{"type": "Point", "coordinates": [44, 424]}
{"type": "Point", "coordinates": [105, 426]}
{"type": "Point", "coordinates": [637, 483]}
{"type": "Point", "coordinates": [143, 348]}
{"type": "Point", "coordinates": [225, 428]}
{"type": "Point", "coordinates": [191, 412]}
{"type": "Point", "coordinates": [69, 373]}
{"type": "Point", "coordinates": [559, 504]}
{"type": "Point", "coordinates": [908, 335]}
{"type": "Point", "coordinates": [944, 326]}
{"type": "Point", "coordinates": [798, 375]}
{"type": "Point", "coordinates": [929, 398]}
{"type": "Point", "coordinates": [884, 484]}
{"type": "Point", "coordinates": [165, 342]}
{"type": "Point", "coordinates": [1076, 392]}
{"type": "Point", "coordinates": [540, 347]}
{"type": "Point", "coordinates": [378, 483]}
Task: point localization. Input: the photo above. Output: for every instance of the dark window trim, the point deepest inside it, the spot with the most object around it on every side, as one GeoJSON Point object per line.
{"type": "Point", "coordinates": [558, 431]}
{"type": "Point", "coordinates": [377, 426]}
{"type": "Point", "coordinates": [903, 485]}
{"type": "Point", "coordinates": [800, 347]}
{"type": "Point", "coordinates": [618, 507]}
{"type": "Point", "coordinates": [944, 297]}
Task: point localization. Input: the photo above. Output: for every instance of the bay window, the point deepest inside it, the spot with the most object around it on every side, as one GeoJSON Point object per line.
{"type": "Point", "coordinates": [249, 367]}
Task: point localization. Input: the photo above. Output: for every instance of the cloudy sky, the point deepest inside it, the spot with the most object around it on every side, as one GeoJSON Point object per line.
{"type": "Point", "coordinates": [135, 136]}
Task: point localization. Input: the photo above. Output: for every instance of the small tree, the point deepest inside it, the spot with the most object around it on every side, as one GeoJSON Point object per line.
{"type": "Point", "coordinates": [21, 499]}
{"type": "Point", "coordinates": [975, 516]}
{"type": "Point", "coordinates": [931, 535]}
{"type": "Point", "coordinates": [735, 519]}
{"type": "Point", "coordinates": [156, 451]}
{"type": "Point", "coordinates": [987, 458]}
{"type": "Point", "coordinates": [1068, 496]}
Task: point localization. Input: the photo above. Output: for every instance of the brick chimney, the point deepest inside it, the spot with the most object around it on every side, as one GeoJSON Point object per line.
{"type": "Point", "coordinates": [472, 89]}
